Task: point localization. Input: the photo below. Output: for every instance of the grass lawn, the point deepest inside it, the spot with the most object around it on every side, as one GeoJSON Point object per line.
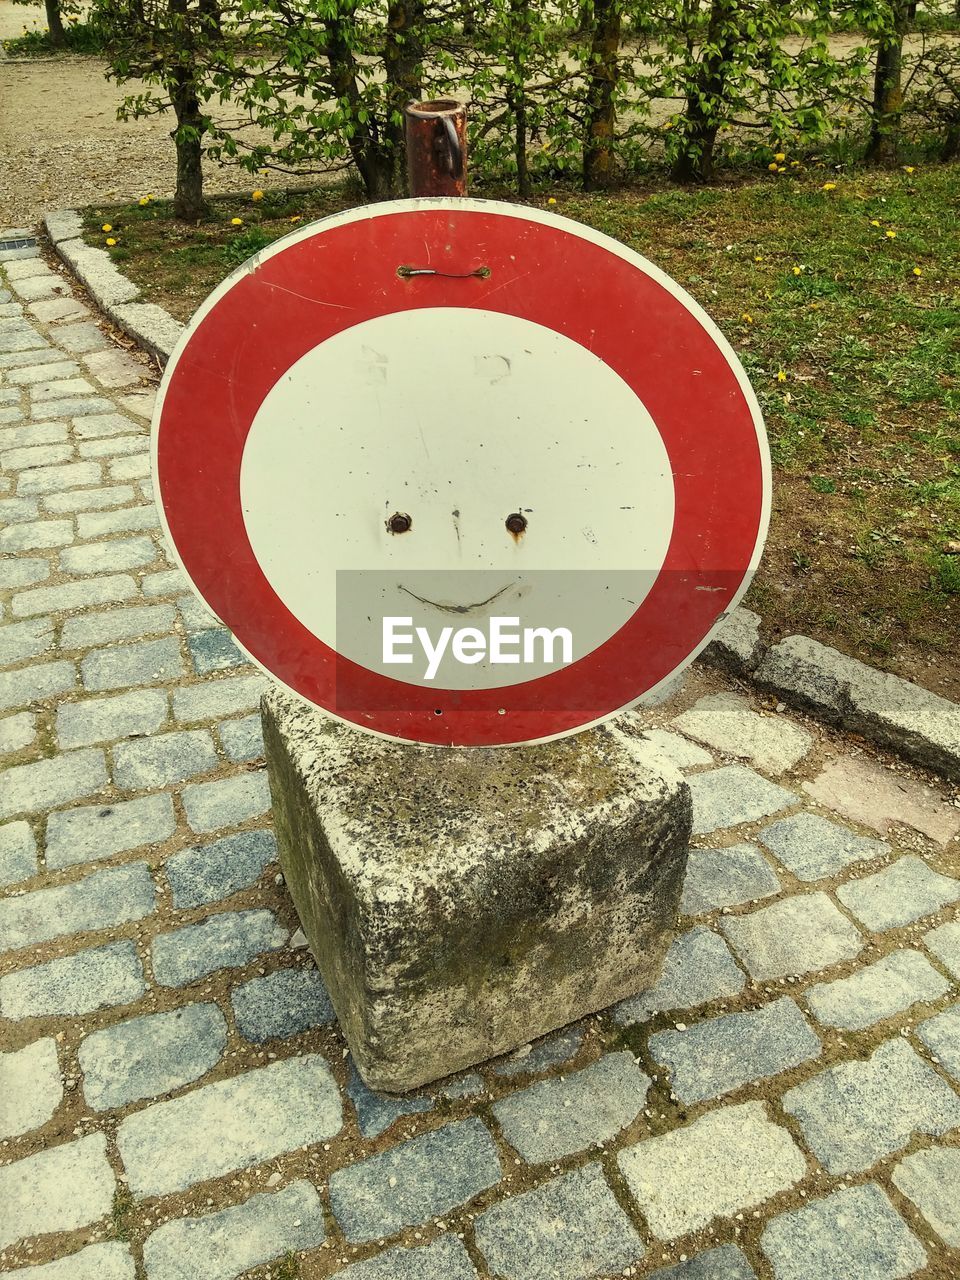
{"type": "Point", "coordinates": [844, 306]}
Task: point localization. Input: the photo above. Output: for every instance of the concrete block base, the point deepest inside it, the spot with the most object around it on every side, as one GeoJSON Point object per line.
{"type": "Point", "coordinates": [460, 903]}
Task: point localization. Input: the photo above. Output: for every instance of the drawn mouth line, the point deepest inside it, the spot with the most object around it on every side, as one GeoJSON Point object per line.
{"type": "Point", "coordinates": [457, 608]}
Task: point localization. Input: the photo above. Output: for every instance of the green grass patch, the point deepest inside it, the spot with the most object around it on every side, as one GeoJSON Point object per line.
{"type": "Point", "coordinates": [79, 37]}
{"type": "Point", "coordinates": [842, 305]}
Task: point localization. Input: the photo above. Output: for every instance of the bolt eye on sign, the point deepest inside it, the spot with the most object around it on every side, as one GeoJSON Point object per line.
{"type": "Point", "coordinates": [461, 472]}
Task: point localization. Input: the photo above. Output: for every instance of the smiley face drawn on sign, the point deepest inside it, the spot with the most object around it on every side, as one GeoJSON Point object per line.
{"type": "Point", "coordinates": [382, 471]}
{"type": "Point", "coordinates": [535, 423]}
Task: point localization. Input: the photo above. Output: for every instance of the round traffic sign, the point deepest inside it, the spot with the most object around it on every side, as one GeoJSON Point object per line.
{"type": "Point", "coordinates": [461, 472]}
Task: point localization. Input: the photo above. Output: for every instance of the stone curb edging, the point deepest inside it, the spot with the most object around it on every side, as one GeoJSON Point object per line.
{"type": "Point", "coordinates": [145, 322]}
{"type": "Point", "coordinates": [917, 725]}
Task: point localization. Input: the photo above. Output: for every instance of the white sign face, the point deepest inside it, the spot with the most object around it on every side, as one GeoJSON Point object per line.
{"type": "Point", "coordinates": [517, 418]}
{"type": "Point", "coordinates": [461, 472]}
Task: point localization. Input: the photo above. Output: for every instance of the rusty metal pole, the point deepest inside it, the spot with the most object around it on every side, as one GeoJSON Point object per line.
{"type": "Point", "coordinates": [436, 137]}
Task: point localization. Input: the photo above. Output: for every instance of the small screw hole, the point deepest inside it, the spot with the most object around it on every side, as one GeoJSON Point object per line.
{"type": "Point", "coordinates": [399, 522]}
{"type": "Point", "coordinates": [516, 523]}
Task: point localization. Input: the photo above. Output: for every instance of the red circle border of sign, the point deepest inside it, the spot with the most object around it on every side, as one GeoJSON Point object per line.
{"type": "Point", "coordinates": [261, 321]}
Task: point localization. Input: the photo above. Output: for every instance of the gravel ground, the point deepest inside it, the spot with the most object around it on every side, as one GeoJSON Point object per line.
{"type": "Point", "coordinates": [62, 143]}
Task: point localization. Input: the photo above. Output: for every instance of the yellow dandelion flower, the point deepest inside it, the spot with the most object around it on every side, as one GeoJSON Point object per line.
{"type": "Point", "coordinates": [794, 164]}
{"type": "Point", "coordinates": [908, 168]}
{"type": "Point", "coordinates": [781, 168]}
{"type": "Point", "coordinates": [758, 257]}
{"type": "Point", "coordinates": [779, 157]}
{"type": "Point", "coordinates": [781, 376]}
{"type": "Point", "coordinates": [874, 222]}
{"type": "Point", "coordinates": [110, 241]}
{"type": "Point", "coordinates": [551, 200]}
{"type": "Point", "coordinates": [106, 227]}
{"type": "Point", "coordinates": [917, 271]}
{"type": "Point", "coordinates": [829, 186]}
{"type": "Point", "coordinates": [891, 235]}
{"type": "Point", "coordinates": [257, 195]}
{"type": "Point", "coordinates": [772, 166]}
{"type": "Point", "coordinates": [797, 270]}
{"type": "Point", "coordinates": [747, 318]}
{"type": "Point", "coordinates": [144, 200]}
{"type": "Point", "coordinates": [236, 222]}
{"type": "Point", "coordinates": [296, 217]}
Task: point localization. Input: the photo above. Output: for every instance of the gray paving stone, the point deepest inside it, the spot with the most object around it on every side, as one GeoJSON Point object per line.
{"type": "Point", "coordinates": [282, 1004]}
{"type": "Point", "coordinates": [195, 615]}
{"type": "Point", "coordinates": [899, 894]}
{"type": "Point", "coordinates": [37, 455]}
{"type": "Point", "coordinates": [879, 991]}
{"type": "Point", "coordinates": [33, 432]}
{"type": "Point", "coordinates": [813, 847]}
{"type": "Point", "coordinates": [31, 1087]}
{"type": "Point", "coordinates": [41, 535]}
{"type": "Point", "coordinates": [18, 852]}
{"type": "Point", "coordinates": [23, 572]}
{"type": "Point", "coordinates": [414, 1181]}
{"type": "Point", "coordinates": [941, 1035]}
{"type": "Point", "coordinates": [135, 467]}
{"type": "Point", "coordinates": [376, 1112]}
{"type": "Point", "coordinates": [869, 793]}
{"type": "Point", "coordinates": [164, 584]}
{"type": "Point", "coordinates": [17, 732]}
{"type": "Point", "coordinates": [99, 831]}
{"type": "Point", "coordinates": [219, 1246]}
{"type": "Point", "coordinates": [698, 969]}
{"type": "Point", "coordinates": [24, 685]}
{"type": "Point", "coordinates": [73, 595]}
{"type": "Point", "coordinates": [44, 480]}
{"type": "Point", "coordinates": [88, 499]}
{"type": "Point", "coordinates": [795, 936]}
{"type": "Point", "coordinates": [31, 374]}
{"type": "Point", "coordinates": [729, 1160]}
{"type": "Point", "coordinates": [227, 802]}
{"type": "Point", "coordinates": [109, 557]}
{"type": "Point", "coordinates": [735, 794]}
{"type": "Point", "coordinates": [212, 872]}
{"type": "Point", "coordinates": [81, 338]}
{"type": "Point", "coordinates": [725, 1263]}
{"type": "Point", "coordinates": [150, 1055]}
{"type": "Point", "coordinates": [552, 1051]}
{"type": "Point", "coordinates": [679, 751]}
{"type": "Point", "coordinates": [930, 1179]}
{"type": "Point", "coordinates": [854, 1114]}
{"type": "Point", "coordinates": [31, 788]}
{"type": "Point", "coordinates": [14, 510]}
{"type": "Point", "coordinates": [31, 265]}
{"type": "Point", "coordinates": [53, 309]}
{"type": "Point", "coordinates": [59, 1189]}
{"type": "Point", "coordinates": [109, 719]}
{"type": "Point", "coordinates": [132, 622]}
{"type": "Point", "coordinates": [38, 355]}
{"type": "Point", "coordinates": [114, 369]}
{"type": "Point", "coordinates": [61, 389]}
{"type": "Point", "coordinates": [164, 758]}
{"type": "Point", "coordinates": [721, 1054]}
{"type": "Point", "coordinates": [95, 524]}
{"type": "Point", "coordinates": [223, 941]}
{"type": "Point", "coordinates": [97, 425]}
{"type": "Point", "coordinates": [726, 878]}
{"type": "Point", "coordinates": [229, 1125]}
{"type": "Point", "coordinates": [944, 942]}
{"type": "Point", "coordinates": [21, 340]}
{"type": "Point", "coordinates": [242, 739]}
{"type": "Point", "coordinates": [70, 406]}
{"type": "Point", "coordinates": [445, 1259]}
{"type": "Point", "coordinates": [108, 1261]}
{"type": "Point", "coordinates": [854, 1234]}
{"type": "Point", "coordinates": [558, 1117]}
{"type": "Point", "coordinates": [105, 898]}
{"type": "Point", "coordinates": [13, 413]}
{"type": "Point", "coordinates": [571, 1228]}
{"type": "Point", "coordinates": [140, 663]}
{"type": "Point", "coordinates": [218, 698]}
{"type": "Point", "coordinates": [92, 979]}
{"type": "Point", "coordinates": [115, 447]}
{"type": "Point", "coordinates": [728, 723]}
{"type": "Point", "coordinates": [214, 651]}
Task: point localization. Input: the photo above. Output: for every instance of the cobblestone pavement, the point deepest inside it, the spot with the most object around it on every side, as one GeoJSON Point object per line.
{"type": "Point", "coordinates": [176, 1101]}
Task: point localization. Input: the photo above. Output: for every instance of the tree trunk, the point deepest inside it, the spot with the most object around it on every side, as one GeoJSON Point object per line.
{"type": "Point", "coordinates": [517, 91]}
{"type": "Point", "coordinates": [695, 163]}
{"type": "Point", "coordinates": [188, 202]}
{"type": "Point", "coordinates": [884, 138]}
{"type": "Point", "coordinates": [373, 162]}
{"type": "Point", "coordinates": [403, 64]}
{"type": "Point", "coordinates": [603, 73]}
{"type": "Point", "coordinates": [58, 37]}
